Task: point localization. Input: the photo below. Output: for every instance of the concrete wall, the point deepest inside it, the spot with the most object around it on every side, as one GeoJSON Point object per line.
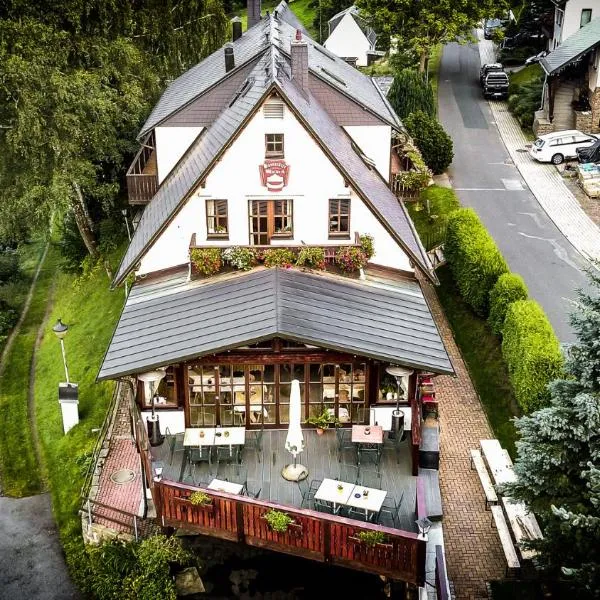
{"type": "Point", "coordinates": [348, 41]}
{"type": "Point", "coordinates": [313, 180]}
{"type": "Point", "coordinates": [171, 143]}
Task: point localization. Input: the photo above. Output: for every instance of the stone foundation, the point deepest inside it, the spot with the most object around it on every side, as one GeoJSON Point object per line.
{"type": "Point", "coordinates": [541, 123]}
{"type": "Point", "coordinates": [583, 121]}
{"type": "Point", "coordinates": [96, 533]}
{"type": "Point", "coordinates": [595, 104]}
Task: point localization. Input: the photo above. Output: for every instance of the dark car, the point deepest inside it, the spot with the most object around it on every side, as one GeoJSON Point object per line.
{"type": "Point", "coordinates": [591, 154]}
{"type": "Point", "coordinates": [490, 26]}
{"type": "Point", "coordinates": [487, 68]}
{"type": "Point", "coordinates": [495, 85]}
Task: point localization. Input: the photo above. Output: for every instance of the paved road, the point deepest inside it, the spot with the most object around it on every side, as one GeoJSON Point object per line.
{"type": "Point", "coordinates": [31, 559]}
{"type": "Point", "coordinates": [486, 180]}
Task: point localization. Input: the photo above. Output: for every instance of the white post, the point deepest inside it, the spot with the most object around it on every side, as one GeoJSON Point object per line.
{"type": "Point", "coordinates": [62, 347]}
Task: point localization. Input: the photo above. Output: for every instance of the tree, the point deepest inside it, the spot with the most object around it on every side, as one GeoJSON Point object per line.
{"type": "Point", "coordinates": [432, 141]}
{"type": "Point", "coordinates": [324, 10]}
{"type": "Point", "coordinates": [424, 24]}
{"type": "Point", "coordinates": [558, 461]}
{"type": "Point", "coordinates": [410, 92]}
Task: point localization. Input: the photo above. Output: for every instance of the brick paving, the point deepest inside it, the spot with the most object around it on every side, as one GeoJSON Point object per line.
{"type": "Point", "coordinates": [473, 550]}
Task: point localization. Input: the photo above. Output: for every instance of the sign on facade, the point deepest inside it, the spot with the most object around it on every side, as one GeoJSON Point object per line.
{"type": "Point", "coordinates": [274, 174]}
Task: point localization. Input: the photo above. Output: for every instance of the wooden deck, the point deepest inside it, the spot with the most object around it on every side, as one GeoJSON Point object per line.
{"type": "Point", "coordinates": [319, 456]}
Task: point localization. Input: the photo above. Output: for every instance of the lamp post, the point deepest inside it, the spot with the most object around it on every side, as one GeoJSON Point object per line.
{"type": "Point", "coordinates": [68, 393]}
{"type": "Point", "coordinates": [153, 378]}
{"type": "Point", "coordinates": [424, 526]}
{"type": "Point", "coordinates": [124, 213]}
{"type": "Point", "coordinates": [398, 373]}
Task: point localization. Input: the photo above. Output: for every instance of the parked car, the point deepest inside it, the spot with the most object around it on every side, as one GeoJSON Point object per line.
{"type": "Point", "coordinates": [536, 58]}
{"type": "Point", "coordinates": [560, 145]}
{"type": "Point", "coordinates": [487, 68]}
{"type": "Point", "coordinates": [591, 154]}
{"type": "Point", "coordinates": [495, 85]}
{"type": "Point", "coordinates": [490, 26]}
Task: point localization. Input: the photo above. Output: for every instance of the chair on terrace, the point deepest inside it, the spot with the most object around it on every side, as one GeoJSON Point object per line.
{"type": "Point", "coordinates": [323, 507]}
{"type": "Point", "coordinates": [307, 492]}
{"type": "Point", "coordinates": [197, 455]}
{"type": "Point", "coordinates": [390, 511]}
{"type": "Point", "coordinates": [175, 442]}
{"type": "Point", "coordinates": [254, 442]}
{"type": "Point", "coordinates": [345, 447]}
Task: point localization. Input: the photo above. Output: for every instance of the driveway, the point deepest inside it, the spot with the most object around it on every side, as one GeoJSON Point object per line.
{"type": "Point", "coordinates": [31, 560]}
{"type": "Point", "coordinates": [485, 179]}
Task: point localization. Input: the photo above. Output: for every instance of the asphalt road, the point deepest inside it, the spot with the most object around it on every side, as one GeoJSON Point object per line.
{"type": "Point", "coordinates": [486, 180]}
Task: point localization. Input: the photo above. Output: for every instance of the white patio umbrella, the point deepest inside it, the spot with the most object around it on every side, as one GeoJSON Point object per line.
{"type": "Point", "coordinates": [294, 442]}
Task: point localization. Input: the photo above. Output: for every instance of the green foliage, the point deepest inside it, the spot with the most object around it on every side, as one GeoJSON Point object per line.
{"type": "Point", "coordinates": [525, 97]}
{"type": "Point", "coordinates": [207, 261]}
{"type": "Point", "coordinates": [312, 258]}
{"type": "Point", "coordinates": [323, 420]}
{"type": "Point", "coordinates": [432, 141]}
{"type": "Point", "coordinates": [372, 538]}
{"type": "Point", "coordinates": [413, 181]}
{"type": "Point", "coordinates": [532, 353]}
{"type": "Point", "coordinates": [278, 521]}
{"type": "Point", "coordinates": [509, 288]}
{"type": "Point", "coordinates": [279, 257]}
{"type": "Point", "coordinates": [474, 258]}
{"type": "Point", "coordinates": [350, 259]}
{"type": "Point", "coordinates": [240, 258]}
{"type": "Point", "coordinates": [410, 92]}
{"type": "Point", "coordinates": [9, 266]}
{"type": "Point", "coordinates": [367, 244]}
{"type": "Point", "coordinates": [200, 499]}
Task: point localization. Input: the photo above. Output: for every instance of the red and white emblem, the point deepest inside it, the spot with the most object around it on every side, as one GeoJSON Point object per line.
{"type": "Point", "coordinates": [274, 174]}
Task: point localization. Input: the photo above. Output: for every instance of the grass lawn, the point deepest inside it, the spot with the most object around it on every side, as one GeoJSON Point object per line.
{"type": "Point", "coordinates": [21, 475]}
{"type": "Point", "coordinates": [482, 354]}
{"type": "Point", "coordinates": [301, 8]}
{"type": "Point", "coordinates": [435, 59]}
{"type": "Point", "coordinates": [526, 74]}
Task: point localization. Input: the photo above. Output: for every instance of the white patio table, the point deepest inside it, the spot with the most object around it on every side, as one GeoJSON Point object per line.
{"type": "Point", "coordinates": [226, 486]}
{"type": "Point", "coordinates": [329, 491]}
{"type": "Point", "coordinates": [370, 503]}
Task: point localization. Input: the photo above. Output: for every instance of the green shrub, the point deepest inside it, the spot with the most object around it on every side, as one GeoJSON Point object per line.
{"type": "Point", "coordinates": [433, 142]}
{"type": "Point", "coordinates": [474, 259]}
{"type": "Point", "coordinates": [410, 92]}
{"type": "Point", "coordinates": [278, 521]}
{"type": "Point", "coordinates": [525, 98]}
{"type": "Point", "coordinates": [372, 538]}
{"type": "Point", "coordinates": [532, 353]}
{"type": "Point", "coordinates": [279, 257]}
{"type": "Point", "coordinates": [368, 245]}
{"type": "Point", "coordinates": [9, 266]}
{"type": "Point", "coordinates": [240, 258]}
{"type": "Point", "coordinates": [350, 259]}
{"type": "Point", "coordinates": [206, 260]}
{"type": "Point", "coordinates": [509, 288]}
{"type": "Point", "coordinates": [200, 498]}
{"type": "Point", "coordinates": [312, 258]}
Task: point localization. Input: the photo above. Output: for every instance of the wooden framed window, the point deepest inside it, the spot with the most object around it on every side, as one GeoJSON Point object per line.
{"type": "Point", "coordinates": [269, 219]}
{"type": "Point", "coordinates": [274, 145]}
{"type": "Point", "coordinates": [586, 17]}
{"type": "Point", "coordinates": [216, 219]}
{"type": "Point", "coordinates": [339, 217]}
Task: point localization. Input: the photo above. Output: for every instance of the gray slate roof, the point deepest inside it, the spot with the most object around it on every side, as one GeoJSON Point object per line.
{"type": "Point", "coordinates": [168, 320]}
{"type": "Point", "coordinates": [573, 48]}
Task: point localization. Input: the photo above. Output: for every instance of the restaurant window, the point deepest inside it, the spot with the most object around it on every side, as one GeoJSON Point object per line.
{"type": "Point", "coordinates": [339, 217]}
{"type": "Point", "coordinates": [269, 219]}
{"type": "Point", "coordinates": [586, 16]}
{"type": "Point", "coordinates": [274, 145]}
{"type": "Point", "coordinates": [202, 380]}
{"type": "Point", "coordinates": [216, 218]}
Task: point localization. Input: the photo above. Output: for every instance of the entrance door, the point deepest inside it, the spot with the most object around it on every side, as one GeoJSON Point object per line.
{"type": "Point", "coordinates": [259, 223]}
{"type": "Point", "coordinates": [269, 219]}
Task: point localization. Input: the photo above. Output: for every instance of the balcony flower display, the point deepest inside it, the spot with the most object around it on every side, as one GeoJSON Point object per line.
{"type": "Point", "coordinates": [240, 258]}
{"type": "Point", "coordinates": [279, 257]}
{"type": "Point", "coordinates": [350, 259]}
{"type": "Point", "coordinates": [312, 258]}
{"type": "Point", "coordinates": [367, 245]}
{"type": "Point", "coordinates": [207, 261]}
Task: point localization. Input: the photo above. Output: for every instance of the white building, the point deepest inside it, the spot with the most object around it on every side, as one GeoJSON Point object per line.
{"type": "Point", "coordinates": [571, 15]}
{"type": "Point", "coordinates": [351, 38]}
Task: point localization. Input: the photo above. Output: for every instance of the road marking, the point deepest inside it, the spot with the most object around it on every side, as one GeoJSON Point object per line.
{"type": "Point", "coordinates": [513, 185]}
{"type": "Point", "coordinates": [481, 189]}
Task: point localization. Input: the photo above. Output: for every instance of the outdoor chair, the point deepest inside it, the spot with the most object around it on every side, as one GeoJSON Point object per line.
{"type": "Point", "coordinates": [254, 442]}
{"type": "Point", "coordinates": [250, 493]}
{"type": "Point", "coordinates": [394, 444]}
{"type": "Point", "coordinates": [323, 507]}
{"type": "Point", "coordinates": [307, 492]}
{"type": "Point", "coordinates": [390, 511]}
{"type": "Point", "coordinates": [358, 514]}
{"type": "Point", "coordinates": [370, 478]}
{"type": "Point", "coordinates": [367, 455]}
{"type": "Point", "coordinates": [345, 447]}
{"type": "Point", "coordinates": [200, 454]}
{"type": "Point", "coordinates": [348, 473]}
{"type": "Point", "coordinates": [238, 474]}
{"type": "Point", "coordinates": [226, 455]}
{"type": "Point", "coordinates": [175, 442]}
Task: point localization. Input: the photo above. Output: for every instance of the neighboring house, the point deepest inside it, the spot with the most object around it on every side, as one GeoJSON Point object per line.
{"type": "Point", "coordinates": [569, 16]}
{"type": "Point", "coordinates": [571, 93]}
{"type": "Point", "coordinates": [351, 38]}
{"type": "Point", "coordinates": [274, 142]}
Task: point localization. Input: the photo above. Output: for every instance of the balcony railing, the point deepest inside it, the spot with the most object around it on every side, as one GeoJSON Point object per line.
{"type": "Point", "coordinates": [142, 176]}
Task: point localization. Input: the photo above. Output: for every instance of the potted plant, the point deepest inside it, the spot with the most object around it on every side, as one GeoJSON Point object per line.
{"type": "Point", "coordinates": [372, 540]}
{"type": "Point", "coordinates": [277, 520]}
{"type": "Point", "coordinates": [323, 421]}
{"type": "Point", "coordinates": [200, 499]}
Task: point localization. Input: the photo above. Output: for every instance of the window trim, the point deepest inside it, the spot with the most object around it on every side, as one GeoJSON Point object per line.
{"type": "Point", "coordinates": [585, 10]}
{"type": "Point", "coordinates": [338, 234]}
{"type": "Point", "coordinates": [217, 235]}
{"type": "Point", "coordinates": [274, 153]}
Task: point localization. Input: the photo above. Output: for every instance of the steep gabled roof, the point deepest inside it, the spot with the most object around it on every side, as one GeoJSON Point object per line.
{"type": "Point", "coordinates": [573, 48]}
{"type": "Point", "coordinates": [199, 79]}
{"type": "Point", "coordinates": [355, 14]}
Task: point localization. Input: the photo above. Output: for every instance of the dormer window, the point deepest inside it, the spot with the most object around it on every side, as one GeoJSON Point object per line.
{"type": "Point", "coordinates": [274, 145]}
{"type": "Point", "coordinates": [216, 219]}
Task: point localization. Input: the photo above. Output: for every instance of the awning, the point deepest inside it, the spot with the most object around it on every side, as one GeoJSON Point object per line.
{"type": "Point", "coordinates": [169, 319]}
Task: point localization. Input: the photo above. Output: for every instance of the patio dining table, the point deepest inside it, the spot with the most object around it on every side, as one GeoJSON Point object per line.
{"type": "Point", "coordinates": [342, 493]}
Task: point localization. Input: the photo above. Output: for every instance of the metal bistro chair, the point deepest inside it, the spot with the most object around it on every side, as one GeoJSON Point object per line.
{"type": "Point", "coordinates": [390, 509]}
{"type": "Point", "coordinates": [323, 507]}
{"type": "Point", "coordinates": [308, 491]}
{"type": "Point", "coordinates": [254, 441]}
{"type": "Point", "coordinates": [197, 455]}
{"type": "Point", "coordinates": [175, 443]}
{"type": "Point", "coordinates": [394, 444]}
{"type": "Point", "coordinates": [369, 454]}
{"type": "Point", "coordinates": [345, 446]}
{"type": "Point", "coordinates": [250, 493]}
{"type": "Point", "coordinates": [370, 478]}
{"type": "Point", "coordinates": [349, 473]}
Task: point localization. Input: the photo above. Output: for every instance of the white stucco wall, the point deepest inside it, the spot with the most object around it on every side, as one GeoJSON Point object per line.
{"type": "Point", "coordinates": [572, 18]}
{"type": "Point", "coordinates": [374, 141]}
{"type": "Point", "coordinates": [347, 40]}
{"type": "Point", "coordinates": [313, 180]}
{"type": "Point", "coordinates": [171, 143]}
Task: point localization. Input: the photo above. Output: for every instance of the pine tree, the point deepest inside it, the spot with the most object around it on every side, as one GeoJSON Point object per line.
{"type": "Point", "coordinates": [558, 465]}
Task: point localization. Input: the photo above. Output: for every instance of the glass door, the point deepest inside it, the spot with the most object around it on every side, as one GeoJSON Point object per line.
{"type": "Point", "coordinates": [259, 223]}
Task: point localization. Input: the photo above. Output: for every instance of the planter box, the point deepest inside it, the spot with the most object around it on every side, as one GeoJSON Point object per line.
{"type": "Point", "coordinates": [185, 503]}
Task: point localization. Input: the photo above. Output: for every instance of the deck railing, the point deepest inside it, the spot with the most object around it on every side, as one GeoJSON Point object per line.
{"type": "Point", "coordinates": [142, 178]}
{"type": "Point", "coordinates": [313, 535]}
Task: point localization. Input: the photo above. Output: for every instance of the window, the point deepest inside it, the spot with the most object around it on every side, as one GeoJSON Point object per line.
{"type": "Point", "coordinates": [270, 218]}
{"type": "Point", "coordinates": [559, 17]}
{"type": "Point", "coordinates": [339, 217]}
{"type": "Point", "coordinates": [216, 219]}
{"type": "Point", "coordinates": [274, 145]}
{"type": "Point", "coordinates": [586, 16]}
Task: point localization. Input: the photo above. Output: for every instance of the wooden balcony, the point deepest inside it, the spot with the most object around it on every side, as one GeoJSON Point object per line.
{"type": "Point", "coordinates": [142, 176]}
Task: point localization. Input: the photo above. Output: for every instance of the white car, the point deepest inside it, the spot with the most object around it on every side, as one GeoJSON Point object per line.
{"type": "Point", "coordinates": [560, 145]}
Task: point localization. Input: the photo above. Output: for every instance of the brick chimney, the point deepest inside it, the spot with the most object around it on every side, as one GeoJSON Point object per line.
{"type": "Point", "coordinates": [236, 29]}
{"type": "Point", "coordinates": [229, 57]}
{"type": "Point", "coordinates": [299, 54]}
{"type": "Point", "coordinates": [253, 12]}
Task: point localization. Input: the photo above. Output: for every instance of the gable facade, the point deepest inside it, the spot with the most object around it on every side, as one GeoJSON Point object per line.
{"type": "Point", "coordinates": [348, 41]}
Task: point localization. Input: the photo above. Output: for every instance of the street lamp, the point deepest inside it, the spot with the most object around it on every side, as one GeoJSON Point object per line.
{"type": "Point", "coordinates": [124, 213]}
{"type": "Point", "coordinates": [153, 378]}
{"type": "Point", "coordinates": [424, 526]}
{"type": "Point", "coordinates": [68, 393]}
{"type": "Point", "coordinates": [60, 330]}
{"type": "Point", "coordinates": [398, 373]}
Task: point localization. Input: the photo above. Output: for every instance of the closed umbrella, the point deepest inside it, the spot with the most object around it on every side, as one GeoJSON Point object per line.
{"type": "Point", "coordinates": [294, 442]}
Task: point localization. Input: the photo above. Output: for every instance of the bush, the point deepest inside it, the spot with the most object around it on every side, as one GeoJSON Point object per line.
{"type": "Point", "coordinates": [279, 257]}
{"type": "Point", "coordinates": [312, 258]}
{"type": "Point", "coordinates": [9, 266]}
{"type": "Point", "coordinates": [350, 259]}
{"type": "Point", "coordinates": [532, 353]}
{"type": "Point", "coordinates": [509, 288]}
{"type": "Point", "coordinates": [433, 142]}
{"type": "Point", "coordinates": [410, 92]}
{"type": "Point", "coordinates": [240, 258]}
{"type": "Point", "coordinates": [367, 245]}
{"type": "Point", "coordinates": [525, 98]}
{"type": "Point", "coordinates": [474, 259]}
{"type": "Point", "coordinates": [206, 260]}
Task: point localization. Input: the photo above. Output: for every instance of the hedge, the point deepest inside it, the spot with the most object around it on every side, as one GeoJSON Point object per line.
{"type": "Point", "coordinates": [474, 259]}
{"type": "Point", "coordinates": [532, 353]}
{"type": "Point", "coordinates": [509, 288]}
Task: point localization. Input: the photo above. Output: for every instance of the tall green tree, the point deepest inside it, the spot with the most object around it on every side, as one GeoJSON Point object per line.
{"type": "Point", "coordinates": [421, 25]}
{"type": "Point", "coordinates": [559, 459]}
{"type": "Point", "coordinates": [410, 92]}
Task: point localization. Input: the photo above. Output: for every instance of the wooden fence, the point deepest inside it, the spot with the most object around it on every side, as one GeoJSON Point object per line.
{"type": "Point", "coordinates": [313, 535]}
